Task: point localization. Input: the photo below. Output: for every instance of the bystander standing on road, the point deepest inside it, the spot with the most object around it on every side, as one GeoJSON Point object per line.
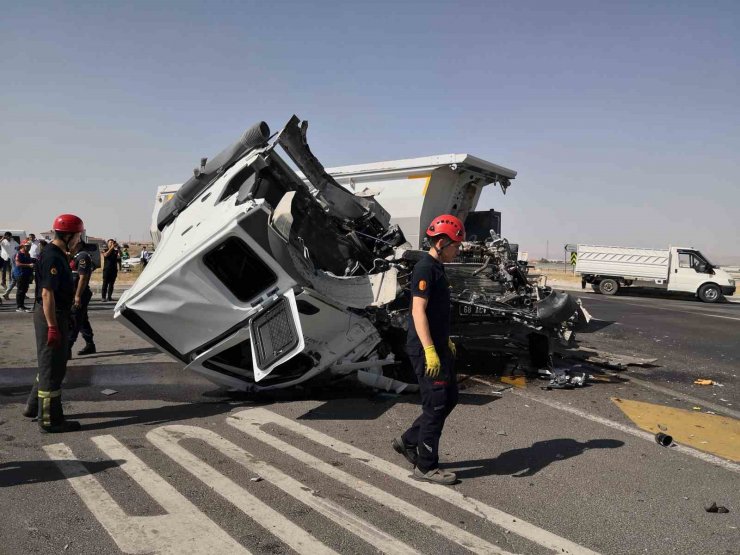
{"type": "Point", "coordinates": [51, 324]}
{"type": "Point", "coordinates": [431, 351]}
{"type": "Point", "coordinates": [8, 248]}
{"type": "Point", "coordinates": [34, 246]}
{"type": "Point", "coordinates": [82, 268]}
{"type": "Point", "coordinates": [22, 273]}
{"type": "Point", "coordinates": [111, 263]}
{"type": "Point", "coordinates": [144, 256]}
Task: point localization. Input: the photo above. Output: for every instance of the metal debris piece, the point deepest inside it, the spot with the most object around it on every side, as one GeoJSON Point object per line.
{"type": "Point", "coordinates": [256, 479]}
{"type": "Point", "coordinates": [109, 392]}
{"type": "Point", "coordinates": [663, 439]}
{"type": "Point", "coordinates": [714, 508]}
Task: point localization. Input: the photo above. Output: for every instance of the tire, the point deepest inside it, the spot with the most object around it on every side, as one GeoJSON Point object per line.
{"type": "Point", "coordinates": [609, 286]}
{"type": "Point", "coordinates": [709, 293]}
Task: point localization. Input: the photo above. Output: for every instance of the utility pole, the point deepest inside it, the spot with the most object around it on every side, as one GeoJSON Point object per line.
{"type": "Point", "coordinates": [547, 250]}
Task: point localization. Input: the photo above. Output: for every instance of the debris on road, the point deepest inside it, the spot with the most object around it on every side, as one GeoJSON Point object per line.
{"type": "Point", "coordinates": [703, 381]}
{"type": "Point", "coordinates": [714, 508]}
{"type": "Point", "coordinates": [256, 479]}
{"type": "Point", "coordinates": [663, 439]}
{"type": "Point", "coordinates": [564, 378]}
{"type": "Point", "coordinates": [109, 392]}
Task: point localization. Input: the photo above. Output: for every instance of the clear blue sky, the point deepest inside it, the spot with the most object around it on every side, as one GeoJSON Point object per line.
{"type": "Point", "coordinates": [622, 118]}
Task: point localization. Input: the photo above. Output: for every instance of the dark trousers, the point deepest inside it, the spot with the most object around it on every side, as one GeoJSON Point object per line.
{"type": "Point", "coordinates": [109, 278]}
{"type": "Point", "coordinates": [47, 391]}
{"type": "Point", "coordinates": [80, 322]}
{"type": "Point", "coordinates": [23, 283]}
{"type": "Point", "coordinates": [5, 267]}
{"type": "Point", "coordinates": [438, 398]}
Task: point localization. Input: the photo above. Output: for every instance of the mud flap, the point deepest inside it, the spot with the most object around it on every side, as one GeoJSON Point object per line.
{"type": "Point", "coordinates": [276, 335]}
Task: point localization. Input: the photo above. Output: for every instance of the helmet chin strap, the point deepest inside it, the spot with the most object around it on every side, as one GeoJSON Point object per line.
{"type": "Point", "coordinates": [443, 247]}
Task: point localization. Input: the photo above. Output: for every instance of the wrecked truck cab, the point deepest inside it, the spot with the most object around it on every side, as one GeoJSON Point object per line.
{"type": "Point", "coordinates": [265, 277]}
{"type": "Point", "coordinates": [256, 272]}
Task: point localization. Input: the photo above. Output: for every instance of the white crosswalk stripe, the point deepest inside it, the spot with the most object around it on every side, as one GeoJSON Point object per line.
{"type": "Point", "coordinates": [187, 530]}
{"type": "Point", "coordinates": [250, 420]}
{"type": "Point", "coordinates": [167, 438]}
{"type": "Point", "coordinates": [184, 530]}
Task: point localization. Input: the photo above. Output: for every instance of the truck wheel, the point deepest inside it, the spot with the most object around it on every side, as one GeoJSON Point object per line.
{"type": "Point", "coordinates": [595, 287]}
{"type": "Point", "coordinates": [609, 286]}
{"type": "Point", "coordinates": [709, 293]}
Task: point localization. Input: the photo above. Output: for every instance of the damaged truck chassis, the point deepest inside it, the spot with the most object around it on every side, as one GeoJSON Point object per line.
{"type": "Point", "coordinates": [264, 279]}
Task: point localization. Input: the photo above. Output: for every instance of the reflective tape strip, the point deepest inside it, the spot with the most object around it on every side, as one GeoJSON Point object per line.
{"type": "Point", "coordinates": [50, 394]}
{"type": "Point", "coordinates": [45, 411]}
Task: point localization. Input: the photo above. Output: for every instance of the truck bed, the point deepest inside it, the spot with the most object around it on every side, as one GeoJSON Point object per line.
{"type": "Point", "coordinates": [623, 261]}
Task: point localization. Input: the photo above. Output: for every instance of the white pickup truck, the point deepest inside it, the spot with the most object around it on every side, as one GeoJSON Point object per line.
{"type": "Point", "coordinates": [608, 269]}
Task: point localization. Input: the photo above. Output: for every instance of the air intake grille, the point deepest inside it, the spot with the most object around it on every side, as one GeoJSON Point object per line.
{"type": "Point", "coordinates": [274, 333]}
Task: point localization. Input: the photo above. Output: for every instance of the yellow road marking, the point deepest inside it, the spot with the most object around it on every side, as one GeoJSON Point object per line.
{"type": "Point", "coordinates": [516, 381]}
{"type": "Point", "coordinates": [719, 435]}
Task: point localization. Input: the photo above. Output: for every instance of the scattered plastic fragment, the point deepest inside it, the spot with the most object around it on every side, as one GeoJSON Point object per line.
{"type": "Point", "coordinates": [703, 381]}
{"type": "Point", "coordinates": [256, 479]}
{"type": "Point", "coordinates": [109, 392]}
{"type": "Point", "coordinates": [696, 408]}
{"type": "Point", "coordinates": [714, 508]}
{"type": "Point", "coordinates": [501, 433]}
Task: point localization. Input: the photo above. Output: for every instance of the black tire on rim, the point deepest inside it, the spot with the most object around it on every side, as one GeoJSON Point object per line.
{"type": "Point", "coordinates": [609, 286]}
{"type": "Point", "coordinates": [709, 293]}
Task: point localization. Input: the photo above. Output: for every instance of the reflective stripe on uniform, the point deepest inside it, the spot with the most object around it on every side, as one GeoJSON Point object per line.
{"type": "Point", "coordinates": [50, 394]}
{"type": "Point", "coordinates": [45, 405]}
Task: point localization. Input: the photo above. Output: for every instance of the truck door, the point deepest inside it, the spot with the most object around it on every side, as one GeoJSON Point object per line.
{"type": "Point", "coordinates": [688, 271]}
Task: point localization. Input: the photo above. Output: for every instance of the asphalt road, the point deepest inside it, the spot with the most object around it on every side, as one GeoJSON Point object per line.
{"type": "Point", "coordinates": [690, 339]}
{"type": "Point", "coordinates": [173, 464]}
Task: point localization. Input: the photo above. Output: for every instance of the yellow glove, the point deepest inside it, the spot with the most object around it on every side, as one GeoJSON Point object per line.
{"type": "Point", "coordinates": [453, 348]}
{"type": "Point", "coordinates": [433, 363]}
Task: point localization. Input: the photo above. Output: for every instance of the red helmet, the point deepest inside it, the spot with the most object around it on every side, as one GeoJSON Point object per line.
{"type": "Point", "coordinates": [448, 225]}
{"type": "Point", "coordinates": [68, 223]}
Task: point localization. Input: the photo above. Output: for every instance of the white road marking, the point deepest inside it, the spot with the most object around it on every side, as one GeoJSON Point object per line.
{"type": "Point", "coordinates": [167, 438]}
{"type": "Point", "coordinates": [706, 457]}
{"type": "Point", "coordinates": [250, 420]}
{"type": "Point", "coordinates": [683, 311]}
{"type": "Point", "coordinates": [184, 530]}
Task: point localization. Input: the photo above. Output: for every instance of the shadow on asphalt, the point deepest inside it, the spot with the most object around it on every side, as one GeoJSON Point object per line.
{"type": "Point", "coordinates": [153, 417]}
{"type": "Point", "coordinates": [520, 463]}
{"type": "Point", "coordinates": [18, 473]}
{"type": "Point", "coordinates": [343, 401]}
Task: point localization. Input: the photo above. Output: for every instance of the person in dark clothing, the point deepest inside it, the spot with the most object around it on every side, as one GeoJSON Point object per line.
{"type": "Point", "coordinates": [82, 268]}
{"type": "Point", "coordinates": [431, 352]}
{"type": "Point", "coordinates": [23, 271]}
{"type": "Point", "coordinates": [51, 323]}
{"type": "Point", "coordinates": [111, 263]}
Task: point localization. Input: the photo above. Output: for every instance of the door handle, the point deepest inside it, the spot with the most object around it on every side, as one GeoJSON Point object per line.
{"type": "Point", "coordinates": [675, 271]}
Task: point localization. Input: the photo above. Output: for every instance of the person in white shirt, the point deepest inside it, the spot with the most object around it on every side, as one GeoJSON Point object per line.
{"type": "Point", "coordinates": [35, 246]}
{"type": "Point", "coordinates": [8, 247]}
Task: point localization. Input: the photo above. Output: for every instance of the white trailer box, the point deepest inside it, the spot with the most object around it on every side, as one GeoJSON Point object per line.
{"type": "Point", "coordinates": [413, 190]}
{"type": "Point", "coordinates": [682, 269]}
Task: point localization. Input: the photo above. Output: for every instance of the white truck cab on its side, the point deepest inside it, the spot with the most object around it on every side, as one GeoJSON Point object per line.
{"type": "Point", "coordinates": [682, 269]}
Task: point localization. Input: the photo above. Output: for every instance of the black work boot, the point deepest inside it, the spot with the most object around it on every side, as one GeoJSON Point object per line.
{"type": "Point", "coordinates": [88, 349]}
{"type": "Point", "coordinates": [31, 409]}
{"type": "Point", "coordinates": [61, 427]}
{"type": "Point", "coordinates": [400, 447]}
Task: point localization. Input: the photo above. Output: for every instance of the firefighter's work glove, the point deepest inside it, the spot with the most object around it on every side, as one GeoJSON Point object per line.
{"type": "Point", "coordinates": [452, 346]}
{"type": "Point", "coordinates": [433, 364]}
{"type": "Point", "coordinates": [53, 337]}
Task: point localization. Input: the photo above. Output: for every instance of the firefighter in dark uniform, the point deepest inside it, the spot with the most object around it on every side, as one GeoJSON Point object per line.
{"type": "Point", "coordinates": [431, 351]}
{"type": "Point", "coordinates": [55, 296]}
{"type": "Point", "coordinates": [82, 267]}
